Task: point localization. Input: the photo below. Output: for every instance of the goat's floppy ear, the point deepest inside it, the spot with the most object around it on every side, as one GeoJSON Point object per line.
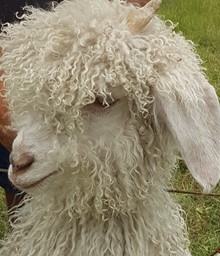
{"type": "Point", "coordinates": [189, 106]}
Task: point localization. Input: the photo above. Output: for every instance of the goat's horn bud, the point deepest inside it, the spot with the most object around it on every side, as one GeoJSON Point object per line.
{"type": "Point", "coordinates": [138, 20]}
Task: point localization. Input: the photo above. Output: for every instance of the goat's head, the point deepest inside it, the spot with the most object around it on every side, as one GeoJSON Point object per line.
{"type": "Point", "coordinates": [97, 90]}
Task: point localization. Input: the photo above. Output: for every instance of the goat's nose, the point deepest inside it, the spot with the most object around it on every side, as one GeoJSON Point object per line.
{"type": "Point", "coordinates": [22, 163]}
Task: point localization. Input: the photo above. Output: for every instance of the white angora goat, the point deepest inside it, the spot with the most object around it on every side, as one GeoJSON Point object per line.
{"type": "Point", "coordinates": [103, 94]}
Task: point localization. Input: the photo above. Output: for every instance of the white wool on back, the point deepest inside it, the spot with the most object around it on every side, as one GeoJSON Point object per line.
{"type": "Point", "coordinates": [113, 165]}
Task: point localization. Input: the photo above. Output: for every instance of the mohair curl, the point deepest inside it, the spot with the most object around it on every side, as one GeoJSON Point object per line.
{"type": "Point", "coordinates": [108, 166]}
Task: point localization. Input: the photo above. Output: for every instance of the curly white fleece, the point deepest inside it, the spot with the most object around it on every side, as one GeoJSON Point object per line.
{"type": "Point", "coordinates": [110, 198]}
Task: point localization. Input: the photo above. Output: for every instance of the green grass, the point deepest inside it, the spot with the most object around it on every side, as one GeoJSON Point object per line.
{"type": "Point", "coordinates": [202, 215]}
{"type": "Point", "coordinates": [3, 215]}
{"type": "Point", "coordinates": [199, 20]}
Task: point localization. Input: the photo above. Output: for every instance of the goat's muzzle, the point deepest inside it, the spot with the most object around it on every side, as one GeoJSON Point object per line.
{"type": "Point", "coordinates": [21, 164]}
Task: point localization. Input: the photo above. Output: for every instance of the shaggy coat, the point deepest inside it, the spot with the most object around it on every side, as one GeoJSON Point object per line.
{"type": "Point", "coordinates": [103, 111]}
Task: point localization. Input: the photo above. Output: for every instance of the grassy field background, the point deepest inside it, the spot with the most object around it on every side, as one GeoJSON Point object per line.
{"type": "Point", "coordinates": [199, 20]}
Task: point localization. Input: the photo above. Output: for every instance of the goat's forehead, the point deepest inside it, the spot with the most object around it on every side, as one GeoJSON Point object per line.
{"type": "Point", "coordinates": [75, 51]}
{"type": "Point", "coordinates": [79, 16]}
{"type": "Point", "coordinates": [93, 14]}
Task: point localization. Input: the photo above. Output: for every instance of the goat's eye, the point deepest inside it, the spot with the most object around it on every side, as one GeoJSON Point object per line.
{"type": "Point", "coordinates": [100, 101]}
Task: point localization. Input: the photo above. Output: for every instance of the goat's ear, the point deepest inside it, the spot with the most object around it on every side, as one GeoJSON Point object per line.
{"type": "Point", "coordinates": [189, 107]}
